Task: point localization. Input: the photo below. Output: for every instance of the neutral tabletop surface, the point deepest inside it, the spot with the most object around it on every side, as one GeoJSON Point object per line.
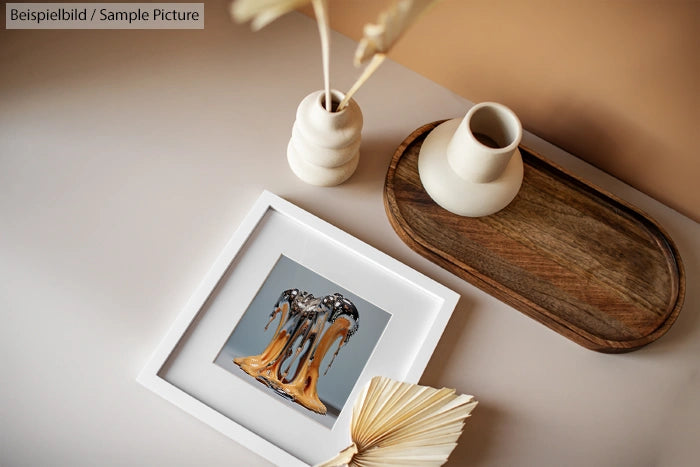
{"type": "Point", "coordinates": [128, 158]}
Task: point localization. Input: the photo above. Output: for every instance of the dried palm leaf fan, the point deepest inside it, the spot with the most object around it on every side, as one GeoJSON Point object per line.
{"type": "Point", "coordinates": [405, 424]}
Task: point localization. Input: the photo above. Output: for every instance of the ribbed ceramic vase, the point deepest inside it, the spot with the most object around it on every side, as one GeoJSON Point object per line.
{"type": "Point", "coordinates": [324, 149]}
{"type": "Point", "coordinates": [472, 166]}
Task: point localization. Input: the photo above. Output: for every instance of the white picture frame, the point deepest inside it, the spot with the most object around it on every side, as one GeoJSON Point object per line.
{"type": "Point", "coordinates": [182, 368]}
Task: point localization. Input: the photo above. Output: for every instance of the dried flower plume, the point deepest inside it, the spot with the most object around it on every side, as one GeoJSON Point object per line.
{"type": "Point", "coordinates": [381, 36]}
{"type": "Point", "coordinates": [263, 12]}
{"type": "Point", "coordinates": [378, 37]}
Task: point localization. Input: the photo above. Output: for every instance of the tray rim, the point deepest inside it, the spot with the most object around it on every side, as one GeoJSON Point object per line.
{"type": "Point", "coordinates": [517, 301]}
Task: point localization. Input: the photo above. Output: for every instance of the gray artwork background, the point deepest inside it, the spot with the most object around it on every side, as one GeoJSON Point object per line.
{"type": "Point", "coordinates": [250, 338]}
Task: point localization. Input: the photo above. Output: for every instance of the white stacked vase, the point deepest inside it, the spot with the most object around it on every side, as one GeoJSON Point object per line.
{"type": "Point", "coordinates": [324, 149]}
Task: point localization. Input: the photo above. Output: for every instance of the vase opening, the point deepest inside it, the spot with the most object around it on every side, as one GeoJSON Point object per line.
{"type": "Point", "coordinates": [495, 127]}
{"type": "Point", "coordinates": [336, 98]}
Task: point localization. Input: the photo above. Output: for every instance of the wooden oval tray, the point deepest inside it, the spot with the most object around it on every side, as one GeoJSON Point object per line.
{"type": "Point", "coordinates": [577, 259]}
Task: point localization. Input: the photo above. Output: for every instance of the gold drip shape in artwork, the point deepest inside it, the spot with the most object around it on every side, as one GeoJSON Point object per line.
{"type": "Point", "coordinates": [307, 329]}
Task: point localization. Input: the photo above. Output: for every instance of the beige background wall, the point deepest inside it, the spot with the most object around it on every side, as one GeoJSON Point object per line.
{"type": "Point", "coordinates": [613, 82]}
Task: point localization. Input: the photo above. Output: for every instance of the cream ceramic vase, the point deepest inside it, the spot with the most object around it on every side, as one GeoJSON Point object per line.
{"type": "Point", "coordinates": [324, 149]}
{"type": "Point", "coordinates": [472, 166]}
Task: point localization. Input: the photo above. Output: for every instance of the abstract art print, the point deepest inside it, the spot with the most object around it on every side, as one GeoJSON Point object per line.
{"type": "Point", "coordinates": [290, 323]}
{"type": "Point", "coordinates": [305, 340]}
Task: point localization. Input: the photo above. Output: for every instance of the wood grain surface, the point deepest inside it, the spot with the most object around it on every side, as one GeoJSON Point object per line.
{"type": "Point", "coordinates": [579, 260]}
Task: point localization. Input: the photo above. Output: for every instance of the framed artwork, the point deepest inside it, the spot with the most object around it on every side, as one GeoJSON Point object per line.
{"type": "Point", "coordinates": [292, 320]}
